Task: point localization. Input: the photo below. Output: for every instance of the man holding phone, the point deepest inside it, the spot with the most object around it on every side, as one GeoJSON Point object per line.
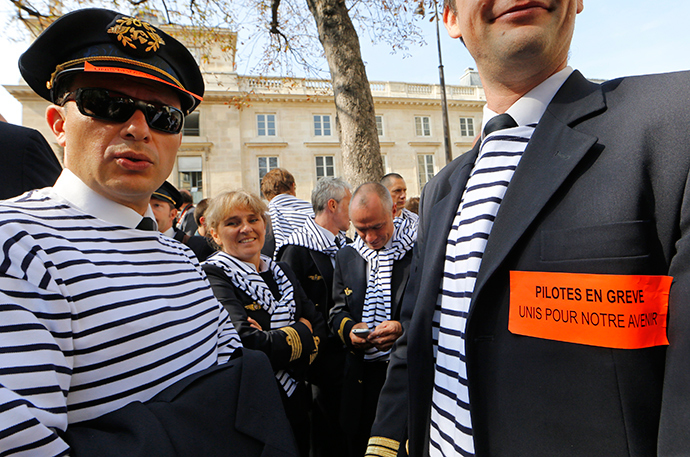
{"type": "Point", "coordinates": [369, 280]}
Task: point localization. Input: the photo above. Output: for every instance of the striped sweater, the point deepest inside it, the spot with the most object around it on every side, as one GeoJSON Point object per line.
{"type": "Point", "coordinates": [94, 316]}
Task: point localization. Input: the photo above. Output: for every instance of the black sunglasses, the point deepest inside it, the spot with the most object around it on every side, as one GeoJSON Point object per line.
{"type": "Point", "coordinates": [115, 107]}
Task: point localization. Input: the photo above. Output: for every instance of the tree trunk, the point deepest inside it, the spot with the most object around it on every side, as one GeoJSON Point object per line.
{"type": "Point", "coordinates": [355, 118]}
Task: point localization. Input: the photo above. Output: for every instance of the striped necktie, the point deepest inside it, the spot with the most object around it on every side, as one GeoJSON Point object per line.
{"type": "Point", "coordinates": [500, 152]}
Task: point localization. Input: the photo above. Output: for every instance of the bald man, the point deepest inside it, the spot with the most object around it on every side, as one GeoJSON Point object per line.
{"type": "Point", "coordinates": [369, 280]}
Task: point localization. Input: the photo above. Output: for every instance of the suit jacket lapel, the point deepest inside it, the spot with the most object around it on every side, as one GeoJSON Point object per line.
{"type": "Point", "coordinates": [437, 222]}
{"type": "Point", "coordinates": [356, 278]}
{"type": "Point", "coordinates": [401, 272]}
{"type": "Point", "coordinates": [551, 155]}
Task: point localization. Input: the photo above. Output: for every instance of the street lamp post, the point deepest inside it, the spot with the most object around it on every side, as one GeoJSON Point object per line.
{"type": "Point", "coordinates": [444, 103]}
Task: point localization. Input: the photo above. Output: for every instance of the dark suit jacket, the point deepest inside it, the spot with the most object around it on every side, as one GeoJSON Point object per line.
{"type": "Point", "coordinates": [27, 160]}
{"type": "Point", "coordinates": [601, 188]}
{"type": "Point", "coordinates": [200, 245]}
{"type": "Point", "coordinates": [275, 343]}
{"type": "Point", "coordinates": [229, 410]}
{"type": "Point", "coordinates": [314, 271]}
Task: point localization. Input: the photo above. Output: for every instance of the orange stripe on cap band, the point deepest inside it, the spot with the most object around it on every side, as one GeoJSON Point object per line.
{"type": "Point", "coordinates": [613, 311]}
{"type": "Point", "coordinates": [139, 74]}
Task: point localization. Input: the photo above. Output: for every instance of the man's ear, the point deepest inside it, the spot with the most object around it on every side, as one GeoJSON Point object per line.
{"type": "Point", "coordinates": [174, 213]}
{"type": "Point", "coordinates": [450, 20]}
{"type": "Point", "coordinates": [55, 116]}
{"type": "Point", "coordinates": [332, 205]}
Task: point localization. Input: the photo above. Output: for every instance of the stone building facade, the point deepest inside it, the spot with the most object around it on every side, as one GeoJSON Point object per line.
{"type": "Point", "coordinates": [247, 125]}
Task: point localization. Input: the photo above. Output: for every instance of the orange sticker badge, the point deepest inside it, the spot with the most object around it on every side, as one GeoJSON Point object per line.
{"type": "Point", "coordinates": [613, 311]}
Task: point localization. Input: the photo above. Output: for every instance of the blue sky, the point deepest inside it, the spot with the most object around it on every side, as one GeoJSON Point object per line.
{"type": "Point", "coordinates": [612, 38]}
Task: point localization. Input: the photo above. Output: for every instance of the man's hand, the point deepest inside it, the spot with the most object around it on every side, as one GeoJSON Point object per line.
{"type": "Point", "coordinates": [357, 341]}
{"type": "Point", "coordinates": [385, 334]}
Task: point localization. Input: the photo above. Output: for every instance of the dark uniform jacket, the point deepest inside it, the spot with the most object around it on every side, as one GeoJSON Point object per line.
{"type": "Point", "coordinates": [229, 410]}
{"type": "Point", "coordinates": [275, 343]}
{"type": "Point", "coordinates": [602, 188]}
{"type": "Point", "coordinates": [314, 272]}
{"type": "Point", "coordinates": [200, 245]}
{"type": "Point", "coordinates": [28, 162]}
{"type": "Point", "coordinates": [349, 289]}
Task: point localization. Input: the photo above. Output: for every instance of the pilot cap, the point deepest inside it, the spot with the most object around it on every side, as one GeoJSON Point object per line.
{"type": "Point", "coordinates": [96, 40]}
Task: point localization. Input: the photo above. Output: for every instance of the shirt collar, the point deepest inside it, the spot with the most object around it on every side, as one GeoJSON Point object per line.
{"type": "Point", "coordinates": [78, 194]}
{"type": "Point", "coordinates": [531, 107]}
{"type": "Point", "coordinates": [327, 233]}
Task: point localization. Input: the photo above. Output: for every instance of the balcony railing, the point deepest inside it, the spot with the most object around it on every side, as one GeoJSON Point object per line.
{"type": "Point", "coordinates": [267, 85]}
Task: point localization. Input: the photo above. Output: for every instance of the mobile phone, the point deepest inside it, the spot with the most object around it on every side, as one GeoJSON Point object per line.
{"type": "Point", "coordinates": [361, 332]}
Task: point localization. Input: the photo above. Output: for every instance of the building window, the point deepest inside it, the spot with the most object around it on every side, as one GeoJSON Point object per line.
{"type": "Point", "coordinates": [191, 125]}
{"type": "Point", "coordinates": [422, 125]}
{"type": "Point", "coordinates": [322, 125]}
{"type": "Point", "coordinates": [467, 126]}
{"type": "Point", "coordinates": [325, 167]}
{"type": "Point", "coordinates": [379, 125]}
{"type": "Point", "coordinates": [266, 164]}
{"type": "Point", "coordinates": [425, 168]}
{"type": "Point", "coordinates": [266, 124]}
{"type": "Point", "coordinates": [190, 175]}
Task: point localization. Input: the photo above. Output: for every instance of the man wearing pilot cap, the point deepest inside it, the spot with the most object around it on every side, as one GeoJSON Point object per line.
{"type": "Point", "coordinates": [105, 321]}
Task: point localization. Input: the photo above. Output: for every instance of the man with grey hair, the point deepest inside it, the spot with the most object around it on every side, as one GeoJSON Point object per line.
{"type": "Point", "coordinates": [310, 252]}
{"type": "Point", "coordinates": [369, 281]}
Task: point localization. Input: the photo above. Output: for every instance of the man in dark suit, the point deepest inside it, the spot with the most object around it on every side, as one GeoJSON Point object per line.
{"type": "Point", "coordinates": [28, 162]}
{"type": "Point", "coordinates": [310, 252]}
{"type": "Point", "coordinates": [551, 356]}
{"type": "Point", "coordinates": [369, 281]}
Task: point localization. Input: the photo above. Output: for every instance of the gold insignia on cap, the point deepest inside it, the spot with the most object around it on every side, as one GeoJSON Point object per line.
{"type": "Point", "coordinates": [254, 306]}
{"type": "Point", "coordinates": [136, 33]}
{"type": "Point", "coordinates": [347, 291]}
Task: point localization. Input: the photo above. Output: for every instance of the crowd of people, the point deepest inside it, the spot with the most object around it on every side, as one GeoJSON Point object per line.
{"type": "Point", "coordinates": [286, 272]}
{"type": "Point", "coordinates": [137, 323]}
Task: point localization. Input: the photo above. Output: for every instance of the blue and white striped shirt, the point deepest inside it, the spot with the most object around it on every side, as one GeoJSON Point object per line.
{"type": "Point", "coordinates": [95, 315]}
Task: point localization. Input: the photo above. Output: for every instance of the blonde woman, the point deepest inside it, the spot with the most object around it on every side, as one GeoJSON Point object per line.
{"type": "Point", "coordinates": [266, 303]}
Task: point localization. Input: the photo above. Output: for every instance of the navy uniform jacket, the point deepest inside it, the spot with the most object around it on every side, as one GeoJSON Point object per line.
{"type": "Point", "coordinates": [228, 410]}
{"type": "Point", "coordinates": [314, 271]}
{"type": "Point", "coordinates": [275, 343]}
{"type": "Point", "coordinates": [601, 188]}
{"type": "Point", "coordinates": [28, 162]}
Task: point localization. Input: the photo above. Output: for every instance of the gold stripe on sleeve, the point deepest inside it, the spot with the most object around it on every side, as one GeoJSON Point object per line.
{"type": "Point", "coordinates": [382, 447]}
{"type": "Point", "coordinates": [292, 338]}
